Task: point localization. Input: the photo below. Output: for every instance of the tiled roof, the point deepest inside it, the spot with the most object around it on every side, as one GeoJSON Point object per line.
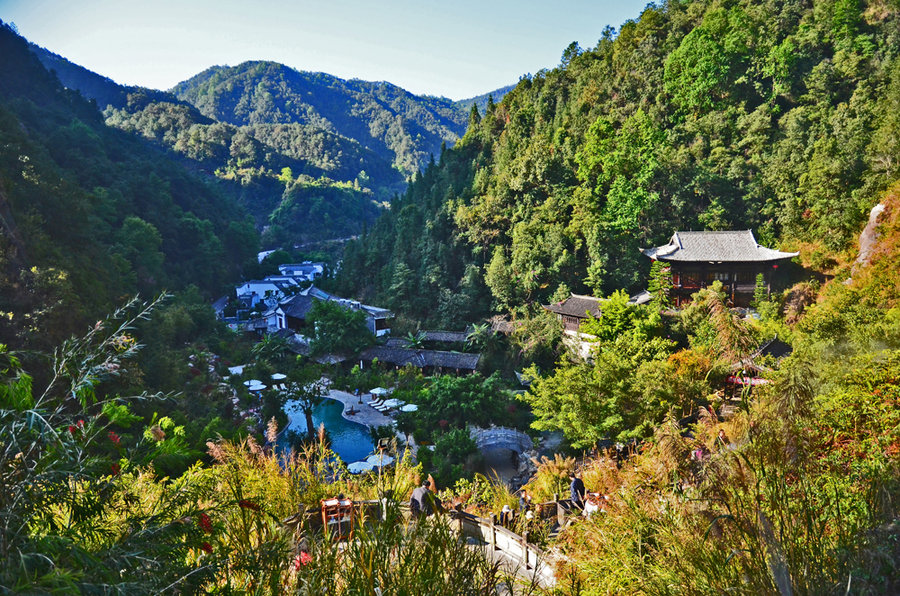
{"type": "Point", "coordinates": [577, 306]}
{"type": "Point", "coordinates": [297, 307]}
{"type": "Point", "coordinates": [715, 247]}
{"type": "Point", "coordinates": [421, 358]}
{"type": "Point", "coordinates": [446, 336]}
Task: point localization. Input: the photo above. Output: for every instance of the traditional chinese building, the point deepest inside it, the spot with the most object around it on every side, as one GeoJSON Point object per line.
{"type": "Point", "coordinates": [574, 310]}
{"type": "Point", "coordinates": [733, 257]}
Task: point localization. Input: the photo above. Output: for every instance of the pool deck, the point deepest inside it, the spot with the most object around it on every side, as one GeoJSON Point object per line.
{"type": "Point", "coordinates": [366, 414]}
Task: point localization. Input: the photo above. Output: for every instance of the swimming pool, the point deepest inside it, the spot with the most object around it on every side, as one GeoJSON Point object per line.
{"type": "Point", "coordinates": [350, 440]}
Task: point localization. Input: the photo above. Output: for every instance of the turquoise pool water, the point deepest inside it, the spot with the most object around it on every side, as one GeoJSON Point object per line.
{"type": "Point", "coordinates": [349, 440]}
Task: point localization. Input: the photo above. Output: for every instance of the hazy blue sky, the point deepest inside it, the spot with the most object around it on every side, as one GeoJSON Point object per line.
{"type": "Point", "coordinates": [455, 48]}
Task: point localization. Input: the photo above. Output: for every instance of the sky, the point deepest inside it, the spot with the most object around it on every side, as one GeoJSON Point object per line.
{"type": "Point", "coordinates": [456, 48]}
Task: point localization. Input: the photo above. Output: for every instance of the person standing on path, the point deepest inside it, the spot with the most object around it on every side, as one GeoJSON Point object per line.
{"type": "Point", "coordinates": [420, 503]}
{"type": "Point", "coordinates": [577, 490]}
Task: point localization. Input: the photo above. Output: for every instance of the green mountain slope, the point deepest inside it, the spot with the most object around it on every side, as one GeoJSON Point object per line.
{"type": "Point", "coordinates": [481, 101]}
{"type": "Point", "coordinates": [91, 215]}
{"type": "Point", "coordinates": [393, 123]}
{"type": "Point", "coordinates": [262, 127]}
{"type": "Point", "coordinates": [774, 116]}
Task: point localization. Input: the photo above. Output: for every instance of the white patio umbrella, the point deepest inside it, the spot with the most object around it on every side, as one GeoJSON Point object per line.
{"type": "Point", "coordinates": [393, 403]}
{"type": "Point", "coordinates": [257, 387]}
{"type": "Point", "coordinates": [379, 459]}
{"type": "Point", "coordinates": [379, 391]}
{"type": "Point", "coordinates": [359, 467]}
{"type": "Point", "coordinates": [409, 408]}
{"type": "Point", "coordinates": [278, 377]}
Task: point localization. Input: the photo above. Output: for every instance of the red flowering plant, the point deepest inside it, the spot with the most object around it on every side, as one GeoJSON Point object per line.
{"type": "Point", "coordinates": [63, 467]}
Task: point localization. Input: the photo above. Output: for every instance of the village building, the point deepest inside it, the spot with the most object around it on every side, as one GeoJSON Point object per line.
{"type": "Point", "coordinates": [574, 310]}
{"type": "Point", "coordinates": [429, 361]}
{"type": "Point", "coordinates": [378, 320]}
{"type": "Point", "coordinates": [268, 291]}
{"type": "Point", "coordinates": [305, 271]}
{"type": "Point", "coordinates": [697, 259]}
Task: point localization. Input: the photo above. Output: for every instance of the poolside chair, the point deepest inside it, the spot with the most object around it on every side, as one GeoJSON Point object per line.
{"type": "Point", "coordinates": [376, 401]}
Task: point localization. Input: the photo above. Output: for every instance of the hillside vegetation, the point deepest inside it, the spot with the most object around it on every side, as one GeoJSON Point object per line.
{"type": "Point", "coordinates": [92, 215]}
{"type": "Point", "coordinates": [776, 116]}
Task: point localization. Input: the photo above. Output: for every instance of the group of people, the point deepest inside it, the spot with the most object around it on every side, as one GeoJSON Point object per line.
{"type": "Point", "coordinates": [588, 503]}
{"type": "Point", "coordinates": [508, 516]}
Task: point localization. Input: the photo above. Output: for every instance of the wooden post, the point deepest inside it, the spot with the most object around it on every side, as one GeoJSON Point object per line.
{"type": "Point", "coordinates": [560, 511]}
{"type": "Point", "coordinates": [493, 531]}
{"type": "Point", "coordinates": [525, 552]}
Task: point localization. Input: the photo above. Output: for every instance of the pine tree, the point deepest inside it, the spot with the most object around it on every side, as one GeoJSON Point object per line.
{"type": "Point", "coordinates": [474, 116]}
{"type": "Point", "coordinates": [660, 285]}
{"type": "Point", "coordinates": [760, 292]}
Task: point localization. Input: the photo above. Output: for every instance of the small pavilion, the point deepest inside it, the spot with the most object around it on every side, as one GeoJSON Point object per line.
{"type": "Point", "coordinates": [697, 259]}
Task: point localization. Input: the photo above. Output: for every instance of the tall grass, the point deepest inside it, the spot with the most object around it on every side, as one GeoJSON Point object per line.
{"type": "Point", "coordinates": [776, 511]}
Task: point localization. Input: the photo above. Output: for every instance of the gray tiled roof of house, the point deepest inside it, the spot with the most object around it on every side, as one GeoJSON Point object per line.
{"type": "Point", "coordinates": [421, 358]}
{"type": "Point", "coordinates": [298, 306]}
{"type": "Point", "coordinates": [373, 311]}
{"type": "Point", "coordinates": [304, 268]}
{"type": "Point", "coordinates": [712, 247]}
{"type": "Point", "coordinates": [446, 336]}
{"type": "Point", "coordinates": [577, 306]}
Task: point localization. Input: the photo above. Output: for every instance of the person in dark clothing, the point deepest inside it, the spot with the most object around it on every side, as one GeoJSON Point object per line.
{"type": "Point", "coordinates": [524, 500]}
{"type": "Point", "coordinates": [577, 490]}
{"type": "Point", "coordinates": [420, 503]}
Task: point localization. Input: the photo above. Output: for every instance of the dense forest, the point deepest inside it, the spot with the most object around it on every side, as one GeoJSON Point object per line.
{"type": "Point", "coordinates": [780, 117]}
{"type": "Point", "coordinates": [293, 147]}
{"type": "Point", "coordinates": [92, 215]}
{"type": "Point", "coordinates": [134, 459]}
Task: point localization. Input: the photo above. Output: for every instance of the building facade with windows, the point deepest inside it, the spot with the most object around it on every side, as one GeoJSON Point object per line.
{"type": "Point", "coordinates": [697, 259]}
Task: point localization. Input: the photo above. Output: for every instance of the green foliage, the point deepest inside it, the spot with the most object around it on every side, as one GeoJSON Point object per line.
{"type": "Point", "coordinates": [454, 457]}
{"type": "Point", "coordinates": [802, 491]}
{"type": "Point", "coordinates": [67, 523]}
{"type": "Point", "coordinates": [338, 330]}
{"type": "Point", "coordinates": [456, 402]}
{"type": "Point", "coordinates": [774, 117]}
{"type": "Point", "coordinates": [304, 386]}
{"type": "Point", "coordinates": [616, 396]}
{"type": "Point", "coordinates": [424, 557]}
{"type": "Point", "coordinates": [93, 214]}
{"type": "Point", "coordinates": [321, 209]}
{"type": "Point", "coordinates": [760, 291]}
{"type": "Point", "coordinates": [660, 285]}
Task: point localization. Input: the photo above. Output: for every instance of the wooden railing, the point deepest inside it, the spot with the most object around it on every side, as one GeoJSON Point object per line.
{"type": "Point", "coordinates": [526, 560]}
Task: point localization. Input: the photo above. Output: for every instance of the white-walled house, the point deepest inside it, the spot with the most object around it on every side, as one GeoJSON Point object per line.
{"type": "Point", "coordinates": [307, 270]}
{"type": "Point", "coordinates": [269, 291]}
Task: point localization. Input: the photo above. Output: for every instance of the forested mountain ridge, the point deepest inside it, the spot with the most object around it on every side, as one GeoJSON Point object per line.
{"type": "Point", "coordinates": [93, 86]}
{"type": "Point", "coordinates": [481, 101]}
{"type": "Point", "coordinates": [394, 123]}
{"type": "Point", "coordinates": [293, 147]}
{"type": "Point", "coordinates": [92, 215]}
{"type": "Point", "coordinates": [775, 116]}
